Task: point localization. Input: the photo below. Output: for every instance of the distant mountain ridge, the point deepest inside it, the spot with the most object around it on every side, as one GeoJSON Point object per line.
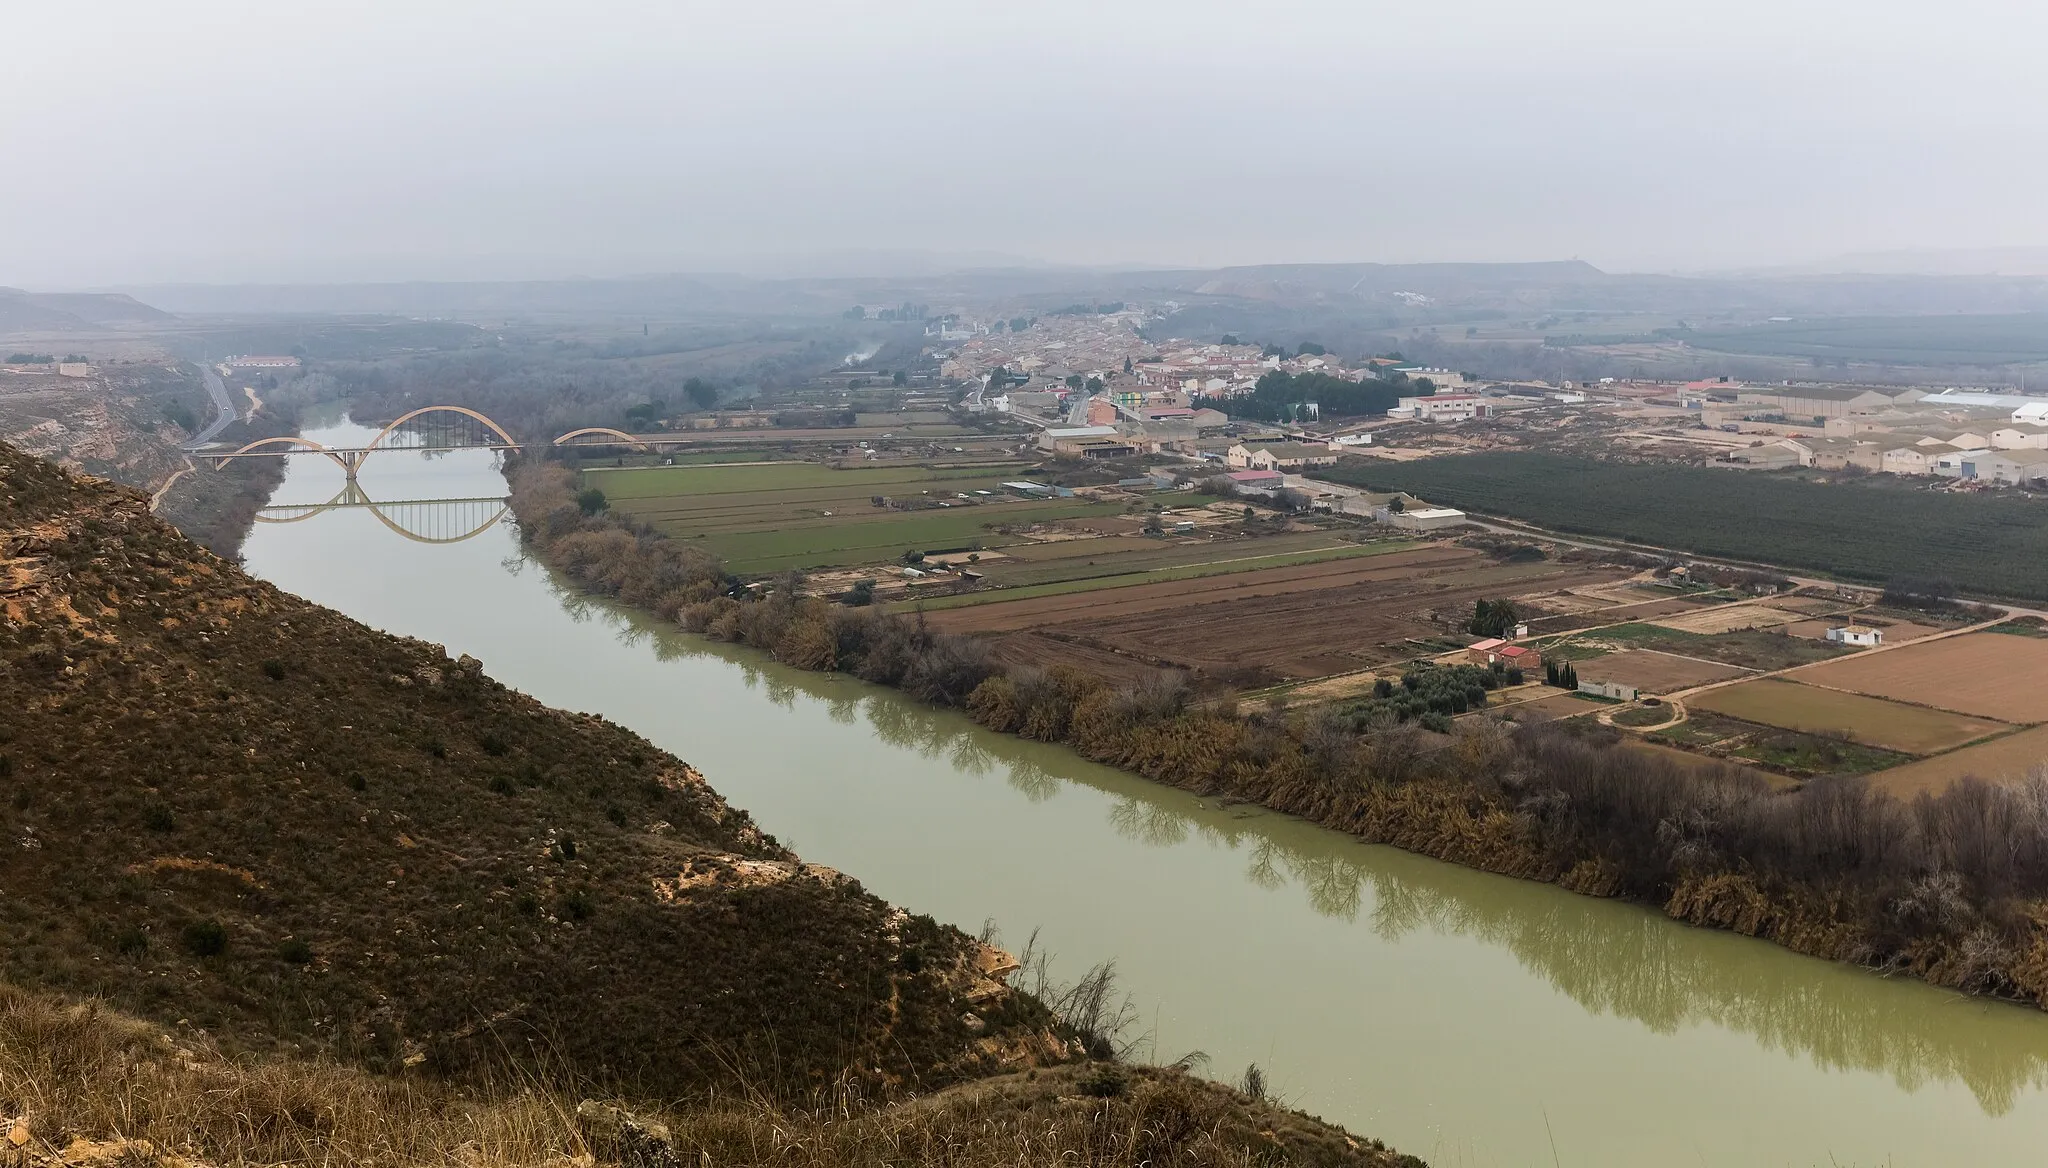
{"type": "Point", "coordinates": [1562, 285]}
{"type": "Point", "coordinates": [23, 311]}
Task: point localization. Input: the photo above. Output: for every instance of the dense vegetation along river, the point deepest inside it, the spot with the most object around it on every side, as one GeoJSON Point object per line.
{"type": "Point", "coordinates": [1466, 1018]}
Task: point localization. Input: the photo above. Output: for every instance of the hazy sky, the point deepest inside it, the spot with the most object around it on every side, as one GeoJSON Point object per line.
{"type": "Point", "coordinates": [203, 140]}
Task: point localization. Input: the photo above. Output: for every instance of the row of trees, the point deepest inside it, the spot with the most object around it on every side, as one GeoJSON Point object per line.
{"type": "Point", "coordinates": [1279, 396]}
{"type": "Point", "coordinates": [1942, 886]}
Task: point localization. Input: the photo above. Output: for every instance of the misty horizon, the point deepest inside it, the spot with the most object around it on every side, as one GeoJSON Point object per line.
{"type": "Point", "coordinates": [231, 143]}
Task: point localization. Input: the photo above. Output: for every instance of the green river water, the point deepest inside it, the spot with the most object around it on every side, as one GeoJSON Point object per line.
{"type": "Point", "coordinates": [1466, 1018]}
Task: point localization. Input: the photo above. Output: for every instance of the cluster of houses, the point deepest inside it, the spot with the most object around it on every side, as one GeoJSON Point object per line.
{"type": "Point", "coordinates": [1997, 438]}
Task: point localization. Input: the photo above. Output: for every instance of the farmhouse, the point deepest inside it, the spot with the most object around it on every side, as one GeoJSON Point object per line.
{"type": "Point", "coordinates": [1608, 689]}
{"type": "Point", "coordinates": [1856, 635]}
{"type": "Point", "coordinates": [1495, 651]}
{"type": "Point", "coordinates": [1279, 456]}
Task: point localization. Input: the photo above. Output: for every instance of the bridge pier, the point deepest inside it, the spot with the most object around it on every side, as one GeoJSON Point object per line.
{"type": "Point", "coordinates": [352, 461]}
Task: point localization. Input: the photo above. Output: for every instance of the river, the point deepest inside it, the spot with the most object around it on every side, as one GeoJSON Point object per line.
{"type": "Point", "coordinates": [1470, 1019]}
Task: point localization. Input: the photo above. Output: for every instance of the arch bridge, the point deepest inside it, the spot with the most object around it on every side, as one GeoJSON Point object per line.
{"type": "Point", "coordinates": [432, 428]}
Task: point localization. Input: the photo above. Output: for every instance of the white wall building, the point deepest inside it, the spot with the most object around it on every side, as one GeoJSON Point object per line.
{"type": "Point", "coordinates": [1441, 407]}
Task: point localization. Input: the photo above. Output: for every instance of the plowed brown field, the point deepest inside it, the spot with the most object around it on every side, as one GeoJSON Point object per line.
{"type": "Point", "coordinates": [2011, 757]}
{"type": "Point", "coordinates": [1992, 675]}
{"type": "Point", "coordinates": [1305, 621]}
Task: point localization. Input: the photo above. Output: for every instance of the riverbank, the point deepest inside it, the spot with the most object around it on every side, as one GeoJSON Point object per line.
{"type": "Point", "coordinates": [1936, 889]}
{"type": "Point", "coordinates": [576, 909]}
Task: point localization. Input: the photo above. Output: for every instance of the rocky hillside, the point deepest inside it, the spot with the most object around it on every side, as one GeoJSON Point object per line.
{"type": "Point", "coordinates": [232, 810]}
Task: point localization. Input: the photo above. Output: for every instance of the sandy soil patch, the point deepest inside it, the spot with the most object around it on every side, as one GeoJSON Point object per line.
{"type": "Point", "coordinates": [1726, 618]}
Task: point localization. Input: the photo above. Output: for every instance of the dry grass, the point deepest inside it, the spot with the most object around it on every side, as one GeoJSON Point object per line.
{"type": "Point", "coordinates": [90, 1087]}
{"type": "Point", "coordinates": [1873, 721]}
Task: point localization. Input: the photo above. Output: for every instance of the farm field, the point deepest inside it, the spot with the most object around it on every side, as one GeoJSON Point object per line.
{"type": "Point", "coordinates": [880, 538]}
{"type": "Point", "coordinates": [768, 518]}
{"type": "Point", "coordinates": [1700, 762]}
{"type": "Point", "coordinates": [1787, 751]}
{"type": "Point", "coordinates": [1602, 611]}
{"type": "Point", "coordinates": [2002, 758]}
{"type": "Point", "coordinates": [1654, 672]}
{"type": "Point", "coordinates": [653, 482]}
{"type": "Point", "coordinates": [1558, 704]}
{"type": "Point", "coordinates": [1297, 622]}
{"type": "Point", "coordinates": [1760, 650]}
{"type": "Point", "coordinates": [1873, 530]}
{"type": "Point", "coordinates": [1193, 562]}
{"type": "Point", "coordinates": [1990, 675]}
{"type": "Point", "coordinates": [1046, 652]}
{"type": "Point", "coordinates": [1873, 721]}
{"type": "Point", "coordinates": [1725, 618]}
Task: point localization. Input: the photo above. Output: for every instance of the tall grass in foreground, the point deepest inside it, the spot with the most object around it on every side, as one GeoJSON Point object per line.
{"type": "Point", "coordinates": [89, 1086]}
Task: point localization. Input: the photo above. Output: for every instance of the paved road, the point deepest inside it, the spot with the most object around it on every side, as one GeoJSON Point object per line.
{"type": "Point", "coordinates": [223, 405]}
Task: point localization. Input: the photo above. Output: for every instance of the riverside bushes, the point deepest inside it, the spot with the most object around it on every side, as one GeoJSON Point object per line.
{"type": "Point", "coordinates": [1951, 887]}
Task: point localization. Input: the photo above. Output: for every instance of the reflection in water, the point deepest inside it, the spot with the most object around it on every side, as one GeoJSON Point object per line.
{"type": "Point", "coordinates": [1610, 958]}
{"type": "Point", "coordinates": [1454, 1012]}
{"type": "Point", "coordinates": [1030, 779]}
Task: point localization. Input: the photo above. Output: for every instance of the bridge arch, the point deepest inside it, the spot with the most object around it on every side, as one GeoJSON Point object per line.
{"type": "Point", "coordinates": [465, 411]}
{"type": "Point", "coordinates": [306, 444]}
{"type": "Point", "coordinates": [623, 437]}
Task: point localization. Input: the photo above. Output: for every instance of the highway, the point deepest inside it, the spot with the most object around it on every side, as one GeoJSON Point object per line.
{"type": "Point", "coordinates": [223, 405]}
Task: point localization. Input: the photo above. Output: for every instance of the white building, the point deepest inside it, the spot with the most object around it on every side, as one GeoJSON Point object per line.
{"type": "Point", "coordinates": [1856, 635]}
{"type": "Point", "coordinates": [1441, 407]}
{"type": "Point", "coordinates": [1421, 518]}
{"type": "Point", "coordinates": [1343, 440]}
{"type": "Point", "coordinates": [1958, 464]}
{"type": "Point", "coordinates": [2018, 438]}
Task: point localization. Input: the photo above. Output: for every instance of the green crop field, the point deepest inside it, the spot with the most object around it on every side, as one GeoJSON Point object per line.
{"type": "Point", "coordinates": [879, 536]}
{"type": "Point", "coordinates": [770, 518]}
{"type": "Point", "coordinates": [655, 482]}
{"type": "Point", "coordinates": [1873, 531]}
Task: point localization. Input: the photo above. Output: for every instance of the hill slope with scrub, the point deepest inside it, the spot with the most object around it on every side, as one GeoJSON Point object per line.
{"type": "Point", "coordinates": [230, 807]}
{"type": "Point", "coordinates": [352, 901]}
